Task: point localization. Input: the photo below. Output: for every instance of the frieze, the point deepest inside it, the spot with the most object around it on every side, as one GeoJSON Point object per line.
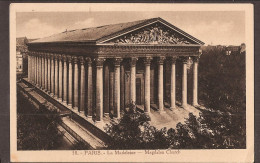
{"type": "Point", "coordinates": [153, 34]}
{"type": "Point", "coordinates": [146, 49]}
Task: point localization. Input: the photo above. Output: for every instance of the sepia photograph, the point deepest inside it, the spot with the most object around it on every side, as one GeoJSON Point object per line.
{"type": "Point", "coordinates": [131, 82]}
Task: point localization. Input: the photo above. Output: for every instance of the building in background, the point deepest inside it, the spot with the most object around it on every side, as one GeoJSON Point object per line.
{"type": "Point", "coordinates": [21, 55]}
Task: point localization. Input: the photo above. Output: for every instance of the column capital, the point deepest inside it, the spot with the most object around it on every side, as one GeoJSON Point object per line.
{"type": "Point", "coordinates": [59, 57]}
{"type": "Point", "coordinates": [64, 57]}
{"type": "Point", "coordinates": [133, 61]}
{"type": "Point", "coordinates": [82, 60]}
{"type": "Point", "coordinates": [160, 60]}
{"type": "Point", "coordinates": [195, 58]}
{"type": "Point", "coordinates": [184, 59]}
{"type": "Point", "coordinates": [147, 60]}
{"type": "Point", "coordinates": [117, 61]}
{"type": "Point", "coordinates": [39, 54]}
{"type": "Point", "coordinates": [44, 55]}
{"type": "Point", "coordinates": [99, 61]}
{"type": "Point", "coordinates": [75, 59]}
{"type": "Point", "coordinates": [173, 59]}
{"type": "Point", "coordinates": [69, 58]}
{"type": "Point", "coordinates": [88, 60]}
{"type": "Point", "coordinates": [55, 57]}
{"type": "Point", "coordinates": [51, 56]}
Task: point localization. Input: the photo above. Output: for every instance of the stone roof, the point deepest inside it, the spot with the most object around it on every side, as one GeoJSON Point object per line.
{"type": "Point", "coordinates": [97, 34]}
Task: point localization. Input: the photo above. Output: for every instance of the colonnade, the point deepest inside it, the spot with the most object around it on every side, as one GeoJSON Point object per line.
{"type": "Point", "coordinates": [53, 74]}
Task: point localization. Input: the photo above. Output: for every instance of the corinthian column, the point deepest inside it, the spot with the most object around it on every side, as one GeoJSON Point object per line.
{"type": "Point", "coordinates": [173, 81]}
{"type": "Point", "coordinates": [160, 83]}
{"type": "Point", "coordinates": [99, 89]}
{"type": "Point", "coordinates": [60, 78]}
{"type": "Point", "coordinates": [43, 71]}
{"type": "Point", "coordinates": [147, 62]}
{"type": "Point", "coordinates": [195, 81]}
{"type": "Point", "coordinates": [40, 70]}
{"type": "Point", "coordinates": [133, 79]}
{"type": "Point", "coordinates": [46, 72]}
{"type": "Point", "coordinates": [70, 82]}
{"type": "Point", "coordinates": [65, 83]}
{"type": "Point", "coordinates": [76, 83]}
{"type": "Point", "coordinates": [49, 73]}
{"type": "Point", "coordinates": [29, 67]}
{"type": "Point", "coordinates": [117, 62]}
{"type": "Point", "coordinates": [90, 88]}
{"type": "Point", "coordinates": [184, 83]}
{"type": "Point", "coordinates": [56, 76]}
{"type": "Point", "coordinates": [52, 75]}
{"type": "Point", "coordinates": [82, 84]}
{"type": "Point", "coordinates": [37, 69]}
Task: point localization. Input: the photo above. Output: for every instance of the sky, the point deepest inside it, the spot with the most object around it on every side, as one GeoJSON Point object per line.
{"type": "Point", "coordinates": [211, 27]}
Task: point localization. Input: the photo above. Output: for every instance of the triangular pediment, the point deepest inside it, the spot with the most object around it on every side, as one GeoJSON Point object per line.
{"type": "Point", "coordinates": [153, 33]}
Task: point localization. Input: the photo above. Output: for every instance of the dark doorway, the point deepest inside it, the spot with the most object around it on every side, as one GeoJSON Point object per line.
{"type": "Point", "coordinates": [139, 89]}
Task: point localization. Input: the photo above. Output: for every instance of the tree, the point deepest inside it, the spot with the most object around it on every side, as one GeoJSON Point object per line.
{"type": "Point", "coordinates": [133, 131]}
{"type": "Point", "coordinates": [36, 128]}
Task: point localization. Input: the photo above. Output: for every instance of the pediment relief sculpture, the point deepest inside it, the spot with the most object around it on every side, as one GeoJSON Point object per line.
{"type": "Point", "coordinates": [153, 34]}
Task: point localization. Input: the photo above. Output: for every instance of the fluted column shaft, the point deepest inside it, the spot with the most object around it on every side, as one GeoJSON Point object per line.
{"type": "Point", "coordinates": [46, 73]}
{"type": "Point", "coordinates": [60, 78]}
{"type": "Point", "coordinates": [56, 77]}
{"type": "Point", "coordinates": [117, 62]}
{"type": "Point", "coordinates": [52, 76]}
{"type": "Point", "coordinates": [184, 83]}
{"type": "Point", "coordinates": [43, 71]}
{"type": "Point", "coordinates": [173, 81]}
{"type": "Point", "coordinates": [76, 85]}
{"type": "Point", "coordinates": [99, 89]}
{"type": "Point", "coordinates": [133, 79]}
{"type": "Point", "coordinates": [40, 71]}
{"type": "Point", "coordinates": [49, 73]}
{"type": "Point", "coordinates": [65, 83]}
{"type": "Point", "coordinates": [90, 88]}
{"type": "Point", "coordinates": [82, 84]}
{"type": "Point", "coordinates": [37, 70]}
{"type": "Point", "coordinates": [32, 68]}
{"type": "Point", "coordinates": [195, 81]}
{"type": "Point", "coordinates": [29, 67]}
{"type": "Point", "coordinates": [147, 62]}
{"type": "Point", "coordinates": [70, 82]}
{"type": "Point", "coordinates": [160, 83]}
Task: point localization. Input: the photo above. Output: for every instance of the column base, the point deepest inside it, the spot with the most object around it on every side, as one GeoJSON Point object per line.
{"type": "Point", "coordinates": [76, 108]}
{"type": "Point", "coordinates": [148, 115]}
{"type": "Point", "coordinates": [70, 106]}
{"type": "Point", "coordinates": [56, 97]}
{"type": "Point", "coordinates": [60, 99]}
{"type": "Point", "coordinates": [51, 94]}
{"type": "Point", "coordinates": [162, 111]}
{"type": "Point", "coordinates": [172, 108]}
{"type": "Point", "coordinates": [89, 117]}
{"type": "Point", "coordinates": [184, 106]}
{"type": "Point", "coordinates": [64, 102]}
{"type": "Point", "coordinates": [106, 114]}
{"type": "Point", "coordinates": [196, 105]}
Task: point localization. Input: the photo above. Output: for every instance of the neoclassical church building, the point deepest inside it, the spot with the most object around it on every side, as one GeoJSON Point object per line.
{"type": "Point", "coordinates": [98, 71]}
